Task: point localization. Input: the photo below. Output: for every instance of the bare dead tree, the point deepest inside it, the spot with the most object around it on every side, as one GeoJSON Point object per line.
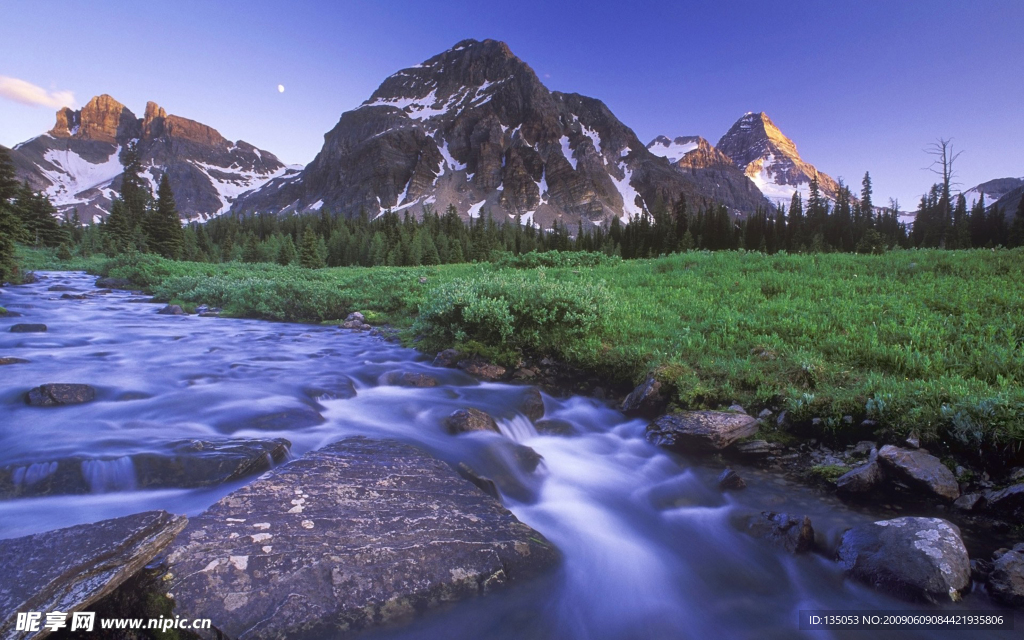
{"type": "Point", "coordinates": [944, 157]}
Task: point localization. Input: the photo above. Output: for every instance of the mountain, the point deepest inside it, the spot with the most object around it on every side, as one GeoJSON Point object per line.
{"type": "Point", "coordinates": [1009, 202]}
{"type": "Point", "coordinates": [759, 149]}
{"type": "Point", "coordinates": [474, 127]}
{"type": "Point", "coordinates": [993, 190]}
{"type": "Point", "coordinates": [77, 162]}
{"type": "Point", "coordinates": [714, 171]}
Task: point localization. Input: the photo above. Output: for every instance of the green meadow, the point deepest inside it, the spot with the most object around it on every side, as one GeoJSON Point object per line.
{"type": "Point", "coordinates": [925, 341]}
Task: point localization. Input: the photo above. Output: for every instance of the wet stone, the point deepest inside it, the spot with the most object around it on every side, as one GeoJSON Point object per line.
{"type": "Point", "coordinates": [1008, 501]}
{"type": "Point", "coordinates": [863, 479]}
{"type": "Point", "coordinates": [70, 569]}
{"type": "Point", "coordinates": [171, 310]}
{"type": "Point", "coordinates": [340, 388]}
{"type": "Point", "coordinates": [408, 379]}
{"type": "Point", "coordinates": [555, 427]}
{"type": "Point", "coordinates": [646, 397]}
{"type": "Point", "coordinates": [61, 287]}
{"type": "Point", "coordinates": [532, 404]}
{"type": "Point", "coordinates": [701, 430]}
{"type": "Point", "coordinates": [1006, 579]}
{"type": "Point", "coordinates": [729, 480]}
{"type": "Point", "coordinates": [447, 358]}
{"type": "Point", "coordinates": [911, 558]}
{"type": "Point", "coordinates": [482, 369]}
{"type": "Point", "coordinates": [9, 360]}
{"type": "Point", "coordinates": [920, 470]}
{"type": "Point", "coordinates": [28, 328]}
{"type": "Point", "coordinates": [54, 395]}
{"type": "Point", "coordinates": [466, 420]}
{"type": "Point", "coordinates": [358, 534]}
{"type": "Point", "coordinates": [185, 464]}
{"type": "Point", "coordinates": [790, 533]}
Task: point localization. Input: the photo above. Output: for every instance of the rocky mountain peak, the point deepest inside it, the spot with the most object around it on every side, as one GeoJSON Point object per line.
{"type": "Point", "coordinates": [768, 157]}
{"type": "Point", "coordinates": [153, 120]}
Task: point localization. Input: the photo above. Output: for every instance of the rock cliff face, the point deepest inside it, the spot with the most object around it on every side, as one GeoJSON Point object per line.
{"type": "Point", "coordinates": [718, 177]}
{"type": "Point", "coordinates": [759, 149]}
{"type": "Point", "coordinates": [77, 162]}
{"type": "Point", "coordinates": [474, 127]}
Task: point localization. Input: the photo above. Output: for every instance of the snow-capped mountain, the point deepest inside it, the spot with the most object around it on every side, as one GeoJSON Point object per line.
{"type": "Point", "coordinates": [475, 128]}
{"type": "Point", "coordinates": [77, 163]}
{"type": "Point", "coordinates": [993, 190]}
{"type": "Point", "coordinates": [759, 149]}
{"type": "Point", "coordinates": [694, 156]}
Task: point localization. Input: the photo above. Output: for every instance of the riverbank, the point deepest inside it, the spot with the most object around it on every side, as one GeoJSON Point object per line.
{"type": "Point", "coordinates": [840, 348]}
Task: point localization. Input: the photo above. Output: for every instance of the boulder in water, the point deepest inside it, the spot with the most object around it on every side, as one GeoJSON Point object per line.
{"type": "Point", "coordinates": [646, 397]}
{"type": "Point", "coordinates": [729, 480]}
{"type": "Point", "coordinates": [59, 394]}
{"type": "Point", "coordinates": [1006, 502]}
{"type": "Point", "coordinates": [912, 558]}
{"type": "Point", "coordinates": [1006, 578]}
{"type": "Point", "coordinates": [447, 358]}
{"type": "Point", "coordinates": [532, 404]}
{"type": "Point", "coordinates": [466, 420]}
{"type": "Point", "coordinates": [700, 430]}
{"type": "Point", "coordinates": [357, 534]}
{"type": "Point", "coordinates": [8, 360]}
{"type": "Point", "coordinates": [482, 369]}
{"type": "Point", "coordinates": [791, 533]}
{"type": "Point", "coordinates": [172, 310]}
{"type": "Point", "coordinates": [555, 427]}
{"type": "Point", "coordinates": [408, 379]}
{"type": "Point", "coordinates": [860, 480]}
{"type": "Point", "coordinates": [70, 569]}
{"type": "Point", "coordinates": [28, 328]}
{"type": "Point", "coordinates": [920, 470]}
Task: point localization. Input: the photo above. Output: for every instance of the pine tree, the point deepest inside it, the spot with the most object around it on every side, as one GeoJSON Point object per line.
{"type": "Point", "coordinates": [286, 254]}
{"type": "Point", "coordinates": [163, 224]}
{"type": "Point", "coordinates": [310, 256]}
{"type": "Point", "coordinates": [1016, 233]}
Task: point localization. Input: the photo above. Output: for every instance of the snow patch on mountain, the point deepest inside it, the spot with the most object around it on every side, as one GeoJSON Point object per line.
{"type": "Point", "coordinates": [674, 150]}
{"type": "Point", "coordinates": [73, 174]}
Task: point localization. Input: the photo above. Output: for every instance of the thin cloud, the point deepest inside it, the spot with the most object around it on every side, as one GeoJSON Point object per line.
{"type": "Point", "coordinates": [28, 93]}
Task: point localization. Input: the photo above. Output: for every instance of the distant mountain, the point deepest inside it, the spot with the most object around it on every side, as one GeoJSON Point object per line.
{"type": "Point", "coordinates": [475, 128]}
{"type": "Point", "coordinates": [993, 190]}
{"type": "Point", "coordinates": [759, 149]}
{"type": "Point", "coordinates": [1009, 203]}
{"type": "Point", "coordinates": [694, 156]}
{"type": "Point", "coordinates": [77, 162]}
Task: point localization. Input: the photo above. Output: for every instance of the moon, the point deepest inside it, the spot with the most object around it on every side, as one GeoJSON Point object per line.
{"type": "Point", "coordinates": [280, 88]}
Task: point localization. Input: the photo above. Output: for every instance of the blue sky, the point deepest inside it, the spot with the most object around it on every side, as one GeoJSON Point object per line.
{"type": "Point", "coordinates": [857, 85]}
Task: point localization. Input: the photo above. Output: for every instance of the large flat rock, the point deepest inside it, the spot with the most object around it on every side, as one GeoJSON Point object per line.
{"type": "Point", "coordinates": [700, 430]}
{"type": "Point", "coordinates": [69, 569]}
{"type": "Point", "coordinates": [359, 533]}
{"type": "Point", "coordinates": [920, 470]}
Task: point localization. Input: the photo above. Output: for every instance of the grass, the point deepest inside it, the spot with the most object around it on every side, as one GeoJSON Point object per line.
{"type": "Point", "coordinates": [922, 340]}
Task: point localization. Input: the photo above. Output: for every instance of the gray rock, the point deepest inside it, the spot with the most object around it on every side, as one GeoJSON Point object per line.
{"type": "Point", "coordinates": [737, 408]}
{"type": "Point", "coordinates": [283, 420]}
{"type": "Point", "coordinates": [532, 404]}
{"type": "Point", "coordinates": [28, 328]}
{"type": "Point", "coordinates": [702, 430]}
{"type": "Point", "coordinates": [74, 296]}
{"type": "Point", "coordinates": [8, 360]}
{"type": "Point", "coordinates": [408, 379]}
{"type": "Point", "coordinates": [355, 325]}
{"type": "Point", "coordinates": [921, 471]}
{"type": "Point", "coordinates": [358, 534]}
{"type": "Point", "coordinates": [913, 440]}
{"type": "Point", "coordinates": [182, 464]}
{"type": "Point", "coordinates": [913, 558]}
{"type": "Point", "coordinates": [61, 287]}
{"type": "Point", "coordinates": [765, 415]}
{"type": "Point", "coordinates": [70, 569]}
{"type": "Point", "coordinates": [58, 394]}
{"type": "Point", "coordinates": [1006, 579]}
{"type": "Point", "coordinates": [791, 533]}
{"type": "Point", "coordinates": [646, 397]}
{"type": "Point", "coordinates": [969, 502]}
{"type": "Point", "coordinates": [757, 449]}
{"type": "Point", "coordinates": [172, 310]}
{"type": "Point", "coordinates": [338, 388]}
{"type": "Point", "coordinates": [729, 479]}
{"type": "Point", "coordinates": [355, 316]}
{"type": "Point", "coordinates": [863, 479]}
{"type": "Point", "coordinates": [1006, 501]}
{"type": "Point", "coordinates": [555, 427]}
{"type": "Point", "coordinates": [864, 449]}
{"type": "Point", "coordinates": [484, 484]}
{"type": "Point", "coordinates": [466, 420]}
{"type": "Point", "coordinates": [448, 358]}
{"type": "Point", "coordinates": [482, 369]}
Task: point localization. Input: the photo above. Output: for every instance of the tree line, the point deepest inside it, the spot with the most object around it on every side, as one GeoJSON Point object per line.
{"type": "Point", "coordinates": [140, 222]}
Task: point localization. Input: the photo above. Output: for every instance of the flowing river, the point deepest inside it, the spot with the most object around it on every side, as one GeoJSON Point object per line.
{"type": "Point", "coordinates": [649, 547]}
